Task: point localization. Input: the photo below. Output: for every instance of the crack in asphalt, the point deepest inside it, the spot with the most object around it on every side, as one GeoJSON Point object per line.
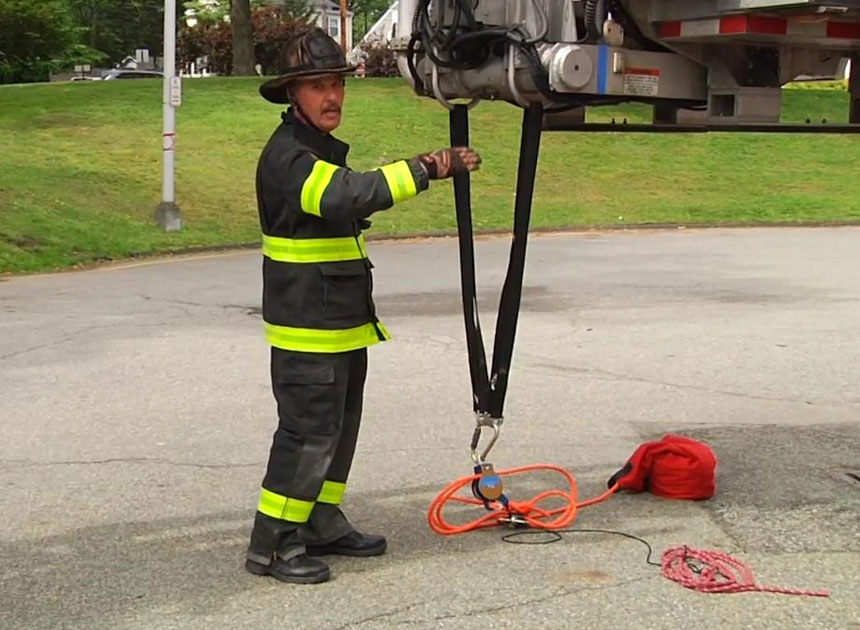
{"type": "Point", "coordinates": [490, 609]}
{"type": "Point", "coordinates": [59, 342]}
{"type": "Point", "coordinates": [25, 463]}
{"type": "Point", "coordinates": [378, 616]}
{"type": "Point", "coordinates": [248, 309]}
{"type": "Point", "coordinates": [540, 600]}
{"type": "Point", "coordinates": [80, 332]}
{"type": "Point", "coordinates": [606, 375]}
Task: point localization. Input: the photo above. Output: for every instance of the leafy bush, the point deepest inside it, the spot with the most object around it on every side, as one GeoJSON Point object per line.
{"type": "Point", "coordinates": [272, 26]}
{"type": "Point", "coordinates": [379, 60]}
{"type": "Point", "coordinates": [213, 40]}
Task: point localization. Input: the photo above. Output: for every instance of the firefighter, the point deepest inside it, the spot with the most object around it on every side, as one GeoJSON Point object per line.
{"type": "Point", "coordinates": [318, 310]}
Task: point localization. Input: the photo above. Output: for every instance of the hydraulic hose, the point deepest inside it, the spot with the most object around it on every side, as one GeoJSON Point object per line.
{"type": "Point", "coordinates": [595, 16]}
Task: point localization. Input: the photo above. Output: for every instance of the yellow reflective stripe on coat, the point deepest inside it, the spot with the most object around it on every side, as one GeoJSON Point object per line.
{"type": "Point", "coordinates": [284, 508]}
{"type": "Point", "coordinates": [315, 186]}
{"type": "Point", "coordinates": [332, 493]}
{"type": "Point", "coordinates": [320, 340]}
{"type": "Point", "coordinates": [383, 331]}
{"type": "Point", "coordinates": [314, 250]}
{"type": "Point", "coordinates": [400, 181]}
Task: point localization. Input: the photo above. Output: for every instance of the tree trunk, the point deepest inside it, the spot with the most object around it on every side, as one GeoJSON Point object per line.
{"type": "Point", "coordinates": [243, 43]}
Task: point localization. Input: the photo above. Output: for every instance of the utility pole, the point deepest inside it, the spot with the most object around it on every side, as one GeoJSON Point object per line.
{"type": "Point", "coordinates": [343, 26]}
{"type": "Point", "coordinates": [168, 215]}
{"type": "Point", "coordinates": [854, 89]}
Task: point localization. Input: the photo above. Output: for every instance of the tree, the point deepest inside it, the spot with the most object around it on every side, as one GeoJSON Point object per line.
{"type": "Point", "coordinates": [243, 38]}
{"type": "Point", "coordinates": [36, 38]}
{"type": "Point", "coordinates": [212, 39]}
{"type": "Point", "coordinates": [272, 27]}
{"type": "Point", "coordinates": [365, 13]}
{"type": "Point", "coordinates": [212, 11]}
{"type": "Point", "coordinates": [118, 27]}
{"type": "Point", "coordinates": [205, 12]}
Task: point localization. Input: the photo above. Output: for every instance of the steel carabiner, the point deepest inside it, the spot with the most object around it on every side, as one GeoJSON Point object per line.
{"type": "Point", "coordinates": [484, 421]}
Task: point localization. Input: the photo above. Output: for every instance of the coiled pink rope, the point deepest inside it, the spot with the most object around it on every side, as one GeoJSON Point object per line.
{"type": "Point", "coordinates": [716, 572]}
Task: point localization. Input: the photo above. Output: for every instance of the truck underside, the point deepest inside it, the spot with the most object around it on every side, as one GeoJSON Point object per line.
{"type": "Point", "coordinates": [696, 61]}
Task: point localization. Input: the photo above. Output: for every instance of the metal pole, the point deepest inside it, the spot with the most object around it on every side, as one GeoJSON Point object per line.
{"type": "Point", "coordinates": [343, 26]}
{"type": "Point", "coordinates": [854, 89]}
{"type": "Point", "coordinates": [168, 215]}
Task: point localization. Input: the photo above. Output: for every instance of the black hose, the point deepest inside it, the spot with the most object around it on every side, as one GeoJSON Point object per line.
{"type": "Point", "coordinates": [541, 81]}
{"type": "Point", "coordinates": [410, 61]}
{"type": "Point", "coordinates": [595, 16]}
{"type": "Point", "coordinates": [415, 16]}
{"type": "Point", "coordinates": [467, 10]}
{"type": "Point", "coordinates": [455, 25]}
{"type": "Point", "coordinates": [431, 36]}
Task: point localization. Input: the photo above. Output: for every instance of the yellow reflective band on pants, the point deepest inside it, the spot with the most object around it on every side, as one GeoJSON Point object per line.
{"type": "Point", "coordinates": [324, 341]}
{"type": "Point", "coordinates": [284, 508]}
{"type": "Point", "coordinates": [314, 250]}
{"type": "Point", "coordinates": [400, 181]}
{"type": "Point", "coordinates": [332, 493]}
{"type": "Point", "coordinates": [315, 186]}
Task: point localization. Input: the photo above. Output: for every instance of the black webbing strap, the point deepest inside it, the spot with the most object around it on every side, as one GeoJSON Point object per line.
{"type": "Point", "coordinates": [489, 389]}
{"type": "Point", "coordinates": [459, 122]}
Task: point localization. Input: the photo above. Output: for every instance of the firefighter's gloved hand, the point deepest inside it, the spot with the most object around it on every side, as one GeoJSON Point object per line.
{"type": "Point", "coordinates": [444, 163]}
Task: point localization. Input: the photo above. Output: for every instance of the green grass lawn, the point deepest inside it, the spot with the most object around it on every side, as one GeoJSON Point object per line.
{"type": "Point", "coordinates": [80, 168]}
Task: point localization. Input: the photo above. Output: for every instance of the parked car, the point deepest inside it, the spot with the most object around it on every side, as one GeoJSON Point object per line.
{"type": "Point", "coordinates": [120, 73]}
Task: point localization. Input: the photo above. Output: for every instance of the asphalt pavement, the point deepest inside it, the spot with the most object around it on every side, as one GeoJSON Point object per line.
{"type": "Point", "coordinates": [136, 415]}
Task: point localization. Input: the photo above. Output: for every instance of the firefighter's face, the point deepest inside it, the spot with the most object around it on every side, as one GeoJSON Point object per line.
{"type": "Point", "coordinates": [321, 100]}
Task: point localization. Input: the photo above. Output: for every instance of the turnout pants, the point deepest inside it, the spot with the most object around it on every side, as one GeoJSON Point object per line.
{"type": "Point", "coordinates": [319, 400]}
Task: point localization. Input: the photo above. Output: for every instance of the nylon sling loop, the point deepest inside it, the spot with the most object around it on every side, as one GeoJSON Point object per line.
{"type": "Point", "coordinates": [489, 388]}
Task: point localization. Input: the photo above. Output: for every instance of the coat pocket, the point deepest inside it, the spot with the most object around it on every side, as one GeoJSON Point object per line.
{"type": "Point", "coordinates": [346, 293]}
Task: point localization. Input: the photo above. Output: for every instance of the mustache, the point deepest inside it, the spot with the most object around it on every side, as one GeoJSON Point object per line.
{"type": "Point", "coordinates": [331, 108]}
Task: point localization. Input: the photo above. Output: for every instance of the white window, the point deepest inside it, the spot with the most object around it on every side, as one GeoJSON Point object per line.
{"type": "Point", "coordinates": [334, 27]}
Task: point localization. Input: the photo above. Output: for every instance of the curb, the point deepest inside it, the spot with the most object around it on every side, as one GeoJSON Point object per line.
{"type": "Point", "coordinates": [442, 234]}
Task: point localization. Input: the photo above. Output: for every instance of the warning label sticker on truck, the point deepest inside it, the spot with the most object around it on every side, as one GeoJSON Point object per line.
{"type": "Point", "coordinates": [641, 81]}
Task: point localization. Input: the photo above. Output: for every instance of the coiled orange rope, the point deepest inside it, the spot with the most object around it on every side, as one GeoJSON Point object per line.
{"type": "Point", "coordinates": [531, 512]}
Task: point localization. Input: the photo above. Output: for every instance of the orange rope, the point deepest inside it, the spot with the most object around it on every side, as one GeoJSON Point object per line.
{"type": "Point", "coordinates": [530, 511]}
{"type": "Point", "coordinates": [715, 573]}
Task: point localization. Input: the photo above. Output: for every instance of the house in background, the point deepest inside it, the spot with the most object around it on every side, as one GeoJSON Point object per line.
{"type": "Point", "coordinates": [327, 17]}
{"type": "Point", "coordinates": [323, 13]}
{"type": "Point", "coordinates": [141, 60]}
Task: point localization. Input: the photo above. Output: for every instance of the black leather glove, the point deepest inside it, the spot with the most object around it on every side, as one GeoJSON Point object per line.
{"type": "Point", "coordinates": [444, 163]}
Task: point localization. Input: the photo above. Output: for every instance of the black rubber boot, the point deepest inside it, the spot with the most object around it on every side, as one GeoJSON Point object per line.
{"type": "Point", "coordinates": [299, 569]}
{"type": "Point", "coordinates": [353, 544]}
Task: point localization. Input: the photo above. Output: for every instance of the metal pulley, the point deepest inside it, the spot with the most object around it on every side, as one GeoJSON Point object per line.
{"type": "Point", "coordinates": [488, 487]}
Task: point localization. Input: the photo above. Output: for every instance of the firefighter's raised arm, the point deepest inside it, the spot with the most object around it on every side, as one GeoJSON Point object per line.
{"type": "Point", "coordinates": [338, 193]}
